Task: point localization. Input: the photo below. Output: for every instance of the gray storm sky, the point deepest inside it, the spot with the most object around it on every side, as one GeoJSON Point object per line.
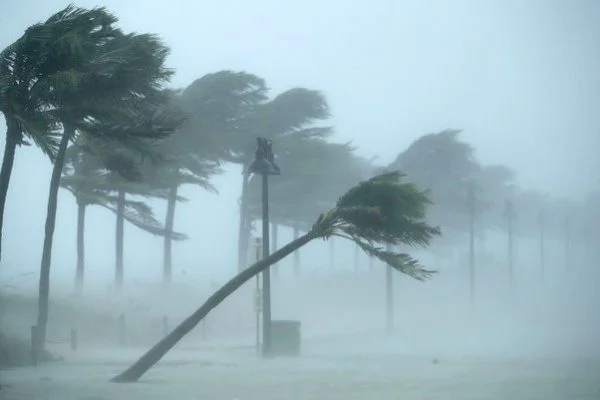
{"type": "Point", "coordinates": [520, 77]}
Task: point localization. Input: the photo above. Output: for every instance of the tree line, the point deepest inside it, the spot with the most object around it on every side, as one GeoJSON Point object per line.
{"type": "Point", "coordinates": [96, 101]}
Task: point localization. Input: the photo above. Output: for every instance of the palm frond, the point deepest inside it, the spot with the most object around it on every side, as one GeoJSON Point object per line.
{"type": "Point", "coordinates": [382, 211]}
{"type": "Point", "coordinates": [401, 262]}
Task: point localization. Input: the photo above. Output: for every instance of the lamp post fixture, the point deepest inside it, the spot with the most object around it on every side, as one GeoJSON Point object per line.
{"type": "Point", "coordinates": [264, 165]}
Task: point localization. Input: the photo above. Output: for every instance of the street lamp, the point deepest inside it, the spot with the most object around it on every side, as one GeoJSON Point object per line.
{"type": "Point", "coordinates": [509, 214]}
{"type": "Point", "coordinates": [389, 296]}
{"type": "Point", "coordinates": [264, 165]}
{"type": "Point", "coordinates": [471, 208]}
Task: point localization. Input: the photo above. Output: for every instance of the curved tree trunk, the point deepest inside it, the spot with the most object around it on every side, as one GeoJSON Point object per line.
{"type": "Point", "coordinates": [168, 240]}
{"type": "Point", "coordinates": [119, 240]}
{"type": "Point", "coordinates": [141, 366]}
{"type": "Point", "coordinates": [244, 226]}
{"type": "Point", "coordinates": [80, 247]}
{"type": "Point", "coordinates": [44, 287]}
{"type": "Point", "coordinates": [12, 140]}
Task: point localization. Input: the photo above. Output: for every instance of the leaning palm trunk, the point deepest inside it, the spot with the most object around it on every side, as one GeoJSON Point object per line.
{"type": "Point", "coordinates": [80, 247]}
{"type": "Point", "coordinates": [380, 210]}
{"type": "Point", "coordinates": [44, 286]}
{"type": "Point", "coordinates": [154, 355]}
{"type": "Point", "coordinates": [7, 165]}
{"type": "Point", "coordinates": [168, 240]}
{"type": "Point", "coordinates": [119, 237]}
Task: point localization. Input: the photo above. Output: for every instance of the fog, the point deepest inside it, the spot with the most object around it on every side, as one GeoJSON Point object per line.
{"type": "Point", "coordinates": [520, 78]}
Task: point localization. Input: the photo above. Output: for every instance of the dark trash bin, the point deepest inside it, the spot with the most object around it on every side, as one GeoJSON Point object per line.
{"type": "Point", "coordinates": [285, 338]}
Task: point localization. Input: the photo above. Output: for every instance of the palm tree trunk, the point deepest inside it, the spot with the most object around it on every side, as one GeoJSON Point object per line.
{"type": "Point", "coordinates": [142, 365]}
{"type": "Point", "coordinates": [244, 227]}
{"type": "Point", "coordinates": [12, 140]}
{"type": "Point", "coordinates": [44, 287]}
{"type": "Point", "coordinates": [80, 247]}
{"type": "Point", "coordinates": [169, 222]}
{"type": "Point", "coordinates": [119, 240]}
{"type": "Point", "coordinates": [297, 252]}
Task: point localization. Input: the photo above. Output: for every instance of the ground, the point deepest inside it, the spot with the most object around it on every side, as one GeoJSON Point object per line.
{"type": "Point", "coordinates": [330, 368]}
{"type": "Point", "coordinates": [538, 340]}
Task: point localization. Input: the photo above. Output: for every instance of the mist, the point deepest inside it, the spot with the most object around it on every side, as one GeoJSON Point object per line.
{"type": "Point", "coordinates": [519, 79]}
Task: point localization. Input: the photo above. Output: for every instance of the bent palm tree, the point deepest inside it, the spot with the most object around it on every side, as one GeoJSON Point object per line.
{"type": "Point", "coordinates": [102, 82]}
{"type": "Point", "coordinates": [378, 212]}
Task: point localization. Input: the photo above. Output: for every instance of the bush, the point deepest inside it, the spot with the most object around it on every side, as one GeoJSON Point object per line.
{"type": "Point", "coordinates": [15, 352]}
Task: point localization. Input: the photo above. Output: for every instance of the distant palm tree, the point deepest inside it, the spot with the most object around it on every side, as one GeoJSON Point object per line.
{"type": "Point", "coordinates": [217, 105]}
{"type": "Point", "coordinates": [378, 212]}
{"type": "Point", "coordinates": [182, 166]}
{"type": "Point", "coordinates": [88, 179]}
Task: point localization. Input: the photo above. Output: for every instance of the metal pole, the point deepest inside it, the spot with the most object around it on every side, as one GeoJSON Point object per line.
{"type": "Point", "coordinates": [389, 297]}
{"type": "Point", "coordinates": [510, 245]}
{"type": "Point", "coordinates": [542, 244]}
{"type": "Point", "coordinates": [266, 274]}
{"type": "Point", "coordinates": [567, 243]}
{"type": "Point", "coordinates": [257, 312]}
{"type": "Point", "coordinates": [257, 301]}
{"type": "Point", "coordinates": [471, 208]}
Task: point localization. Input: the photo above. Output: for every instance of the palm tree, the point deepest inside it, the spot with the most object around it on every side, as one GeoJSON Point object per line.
{"type": "Point", "coordinates": [289, 120]}
{"type": "Point", "coordinates": [311, 180]}
{"type": "Point", "coordinates": [26, 115]}
{"type": "Point", "coordinates": [373, 214]}
{"type": "Point", "coordinates": [443, 164]}
{"type": "Point", "coordinates": [217, 105]}
{"type": "Point", "coordinates": [101, 82]}
{"type": "Point", "coordinates": [87, 178]}
{"type": "Point", "coordinates": [182, 166]}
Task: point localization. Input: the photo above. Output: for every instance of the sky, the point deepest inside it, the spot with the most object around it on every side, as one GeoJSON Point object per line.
{"type": "Point", "coordinates": [520, 77]}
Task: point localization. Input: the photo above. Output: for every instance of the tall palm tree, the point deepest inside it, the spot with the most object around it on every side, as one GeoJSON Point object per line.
{"type": "Point", "coordinates": [27, 116]}
{"type": "Point", "coordinates": [378, 212]}
{"type": "Point", "coordinates": [98, 78]}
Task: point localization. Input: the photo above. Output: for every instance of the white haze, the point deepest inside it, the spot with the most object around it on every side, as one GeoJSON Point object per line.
{"type": "Point", "coordinates": [520, 77]}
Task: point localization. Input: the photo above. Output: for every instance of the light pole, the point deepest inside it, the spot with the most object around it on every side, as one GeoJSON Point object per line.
{"type": "Point", "coordinates": [567, 227]}
{"type": "Point", "coordinates": [542, 226]}
{"type": "Point", "coordinates": [264, 165]}
{"type": "Point", "coordinates": [389, 296]}
{"type": "Point", "coordinates": [258, 297]}
{"type": "Point", "coordinates": [509, 214]}
{"type": "Point", "coordinates": [471, 208]}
